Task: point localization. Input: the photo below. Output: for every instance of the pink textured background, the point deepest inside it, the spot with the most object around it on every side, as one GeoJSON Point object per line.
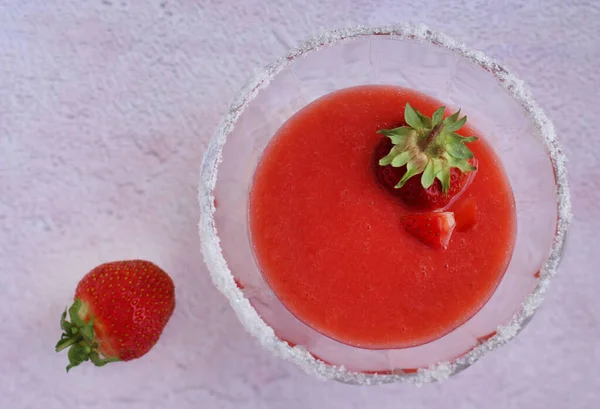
{"type": "Point", "coordinates": [106, 109]}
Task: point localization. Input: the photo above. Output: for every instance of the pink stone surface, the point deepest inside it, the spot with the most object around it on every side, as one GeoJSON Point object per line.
{"type": "Point", "coordinates": [106, 109]}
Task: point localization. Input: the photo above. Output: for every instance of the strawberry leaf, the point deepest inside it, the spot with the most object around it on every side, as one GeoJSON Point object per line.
{"type": "Point", "coordinates": [454, 137]}
{"type": "Point", "coordinates": [395, 151]}
{"type": "Point", "coordinates": [437, 116]}
{"type": "Point", "coordinates": [74, 313]}
{"type": "Point", "coordinates": [413, 167]}
{"type": "Point", "coordinates": [402, 159]}
{"type": "Point", "coordinates": [451, 119]}
{"type": "Point", "coordinates": [386, 160]}
{"type": "Point", "coordinates": [444, 177]}
{"type": "Point", "coordinates": [459, 150]}
{"type": "Point", "coordinates": [98, 361]}
{"type": "Point", "coordinates": [77, 355]}
{"type": "Point", "coordinates": [427, 122]}
{"type": "Point", "coordinates": [411, 117]}
{"type": "Point", "coordinates": [461, 164]}
{"type": "Point", "coordinates": [428, 176]}
{"type": "Point", "coordinates": [87, 332]}
{"type": "Point", "coordinates": [456, 125]}
{"type": "Point", "coordinates": [467, 139]}
{"type": "Point", "coordinates": [64, 340]}
{"type": "Point", "coordinates": [438, 165]}
{"type": "Point", "coordinates": [397, 135]}
{"type": "Point", "coordinates": [65, 325]}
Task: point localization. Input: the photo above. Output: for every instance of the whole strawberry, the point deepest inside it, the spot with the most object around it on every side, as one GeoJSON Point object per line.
{"type": "Point", "coordinates": [119, 313]}
{"type": "Point", "coordinates": [430, 149]}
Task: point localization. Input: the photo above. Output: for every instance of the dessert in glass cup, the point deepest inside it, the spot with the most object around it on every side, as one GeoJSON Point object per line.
{"type": "Point", "coordinates": [384, 205]}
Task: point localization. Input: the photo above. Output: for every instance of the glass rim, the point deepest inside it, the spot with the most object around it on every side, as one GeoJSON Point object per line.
{"type": "Point", "coordinates": [223, 278]}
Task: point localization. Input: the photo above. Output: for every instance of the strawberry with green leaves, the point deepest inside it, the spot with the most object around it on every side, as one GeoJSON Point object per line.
{"type": "Point", "coordinates": [431, 148]}
{"type": "Point", "coordinates": [119, 313]}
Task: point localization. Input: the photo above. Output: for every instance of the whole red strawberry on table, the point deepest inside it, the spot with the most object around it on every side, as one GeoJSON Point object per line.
{"type": "Point", "coordinates": [431, 148]}
{"type": "Point", "coordinates": [119, 312]}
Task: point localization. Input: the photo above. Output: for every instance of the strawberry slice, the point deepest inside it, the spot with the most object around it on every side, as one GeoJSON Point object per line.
{"type": "Point", "coordinates": [430, 148]}
{"type": "Point", "coordinates": [433, 229]}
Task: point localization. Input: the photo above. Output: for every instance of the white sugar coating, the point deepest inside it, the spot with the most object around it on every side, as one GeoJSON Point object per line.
{"type": "Point", "coordinates": [223, 279]}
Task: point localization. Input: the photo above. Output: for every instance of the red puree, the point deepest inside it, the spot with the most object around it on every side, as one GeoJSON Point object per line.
{"type": "Point", "coordinates": [329, 240]}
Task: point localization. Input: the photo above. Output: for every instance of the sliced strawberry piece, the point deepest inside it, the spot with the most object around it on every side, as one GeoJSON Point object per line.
{"type": "Point", "coordinates": [433, 229]}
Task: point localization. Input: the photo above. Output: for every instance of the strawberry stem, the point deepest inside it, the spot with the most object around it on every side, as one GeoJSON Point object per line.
{"type": "Point", "coordinates": [67, 343]}
{"type": "Point", "coordinates": [432, 136]}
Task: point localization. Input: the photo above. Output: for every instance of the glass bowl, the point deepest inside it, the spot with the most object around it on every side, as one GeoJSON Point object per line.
{"type": "Point", "coordinates": [497, 105]}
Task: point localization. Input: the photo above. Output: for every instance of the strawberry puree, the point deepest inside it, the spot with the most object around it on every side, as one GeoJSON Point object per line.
{"type": "Point", "coordinates": [329, 240]}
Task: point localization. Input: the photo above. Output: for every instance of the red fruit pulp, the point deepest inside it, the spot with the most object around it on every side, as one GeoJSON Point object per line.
{"type": "Point", "coordinates": [330, 243]}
